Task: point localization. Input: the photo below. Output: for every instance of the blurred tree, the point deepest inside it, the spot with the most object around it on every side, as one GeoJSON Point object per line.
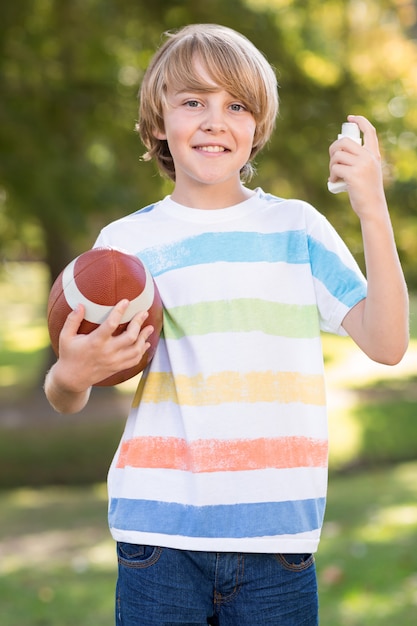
{"type": "Point", "coordinates": [70, 70]}
{"type": "Point", "coordinates": [345, 57]}
{"type": "Point", "coordinates": [65, 120]}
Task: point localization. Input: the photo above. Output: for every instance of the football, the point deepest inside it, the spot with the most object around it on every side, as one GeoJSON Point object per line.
{"type": "Point", "coordinates": [99, 279]}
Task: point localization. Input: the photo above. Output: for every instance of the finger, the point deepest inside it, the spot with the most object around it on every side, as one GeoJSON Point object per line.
{"type": "Point", "coordinates": [370, 138]}
{"type": "Point", "coordinates": [147, 333]}
{"type": "Point", "coordinates": [139, 318]}
{"type": "Point", "coordinates": [342, 147]}
{"type": "Point", "coordinates": [114, 319]}
{"type": "Point", "coordinates": [109, 327]}
{"type": "Point", "coordinates": [135, 334]}
{"type": "Point", "coordinates": [130, 348]}
{"type": "Point", "coordinates": [144, 338]}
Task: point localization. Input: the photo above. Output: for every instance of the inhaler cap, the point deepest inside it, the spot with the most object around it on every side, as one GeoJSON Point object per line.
{"type": "Point", "coordinates": [351, 129]}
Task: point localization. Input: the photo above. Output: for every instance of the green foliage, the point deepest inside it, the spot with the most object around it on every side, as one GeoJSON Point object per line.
{"type": "Point", "coordinates": [64, 452]}
{"type": "Point", "coordinates": [70, 71]}
{"type": "Point", "coordinates": [386, 418]}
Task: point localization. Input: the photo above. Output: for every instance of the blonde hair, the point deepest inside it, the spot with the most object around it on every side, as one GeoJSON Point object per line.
{"type": "Point", "coordinates": [233, 63]}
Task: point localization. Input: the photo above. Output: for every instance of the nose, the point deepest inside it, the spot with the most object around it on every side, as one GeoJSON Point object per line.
{"type": "Point", "coordinates": [214, 120]}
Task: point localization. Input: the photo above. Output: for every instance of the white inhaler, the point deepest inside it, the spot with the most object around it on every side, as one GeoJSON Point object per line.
{"type": "Point", "coordinates": [349, 129]}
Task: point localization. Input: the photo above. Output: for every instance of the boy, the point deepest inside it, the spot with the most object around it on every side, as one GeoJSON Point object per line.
{"type": "Point", "coordinates": [217, 490]}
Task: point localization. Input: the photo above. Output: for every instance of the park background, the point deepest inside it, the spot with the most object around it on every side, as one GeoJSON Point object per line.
{"type": "Point", "coordinates": [70, 162]}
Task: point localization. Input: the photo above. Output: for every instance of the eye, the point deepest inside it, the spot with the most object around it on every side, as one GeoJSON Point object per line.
{"type": "Point", "coordinates": [237, 107]}
{"type": "Point", "coordinates": [192, 104]}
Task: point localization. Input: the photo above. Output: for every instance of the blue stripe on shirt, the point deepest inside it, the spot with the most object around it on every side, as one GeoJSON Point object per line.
{"type": "Point", "coordinates": [293, 247]}
{"type": "Point", "coordinates": [226, 521]}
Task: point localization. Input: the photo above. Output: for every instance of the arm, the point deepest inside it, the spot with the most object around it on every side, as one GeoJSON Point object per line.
{"type": "Point", "coordinates": [86, 359]}
{"type": "Point", "coordinates": [379, 323]}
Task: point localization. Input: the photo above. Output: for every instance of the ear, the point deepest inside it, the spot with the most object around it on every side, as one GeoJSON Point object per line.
{"type": "Point", "coordinates": [159, 134]}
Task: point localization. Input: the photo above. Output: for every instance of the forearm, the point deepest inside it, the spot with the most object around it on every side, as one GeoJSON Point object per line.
{"type": "Point", "coordinates": [381, 329]}
{"type": "Point", "coordinates": [60, 395]}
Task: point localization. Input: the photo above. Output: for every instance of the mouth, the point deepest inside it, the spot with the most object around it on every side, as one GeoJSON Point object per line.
{"type": "Point", "coordinates": [212, 149]}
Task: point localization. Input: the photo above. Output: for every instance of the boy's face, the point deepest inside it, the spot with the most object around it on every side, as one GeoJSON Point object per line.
{"type": "Point", "coordinates": [210, 136]}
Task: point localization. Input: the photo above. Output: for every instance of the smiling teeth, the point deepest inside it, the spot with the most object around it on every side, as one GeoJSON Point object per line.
{"type": "Point", "coordinates": [212, 148]}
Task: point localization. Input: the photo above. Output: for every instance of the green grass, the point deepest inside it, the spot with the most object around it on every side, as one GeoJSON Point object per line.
{"type": "Point", "coordinates": [57, 560]}
{"type": "Point", "coordinates": [367, 562]}
{"type": "Point", "coordinates": [58, 564]}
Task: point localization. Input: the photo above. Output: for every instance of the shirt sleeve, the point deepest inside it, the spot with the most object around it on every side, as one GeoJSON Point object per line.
{"type": "Point", "coordinates": [338, 281]}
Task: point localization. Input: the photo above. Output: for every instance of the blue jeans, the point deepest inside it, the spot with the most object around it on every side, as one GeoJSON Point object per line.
{"type": "Point", "coordinates": [164, 587]}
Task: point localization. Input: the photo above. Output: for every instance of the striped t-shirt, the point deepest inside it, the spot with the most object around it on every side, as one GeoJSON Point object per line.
{"type": "Point", "coordinates": [225, 447]}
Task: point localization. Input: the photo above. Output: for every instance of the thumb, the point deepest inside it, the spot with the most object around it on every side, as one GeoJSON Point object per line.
{"type": "Point", "coordinates": [73, 321]}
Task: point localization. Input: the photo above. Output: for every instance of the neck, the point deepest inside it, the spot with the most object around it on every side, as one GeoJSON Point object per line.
{"type": "Point", "coordinates": [210, 197]}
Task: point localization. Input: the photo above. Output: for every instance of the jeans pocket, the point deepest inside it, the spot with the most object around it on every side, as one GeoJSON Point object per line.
{"type": "Point", "coordinates": [296, 562]}
{"type": "Point", "coordinates": [137, 556]}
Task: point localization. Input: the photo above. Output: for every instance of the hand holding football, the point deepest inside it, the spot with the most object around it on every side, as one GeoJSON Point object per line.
{"type": "Point", "coordinates": [99, 279]}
